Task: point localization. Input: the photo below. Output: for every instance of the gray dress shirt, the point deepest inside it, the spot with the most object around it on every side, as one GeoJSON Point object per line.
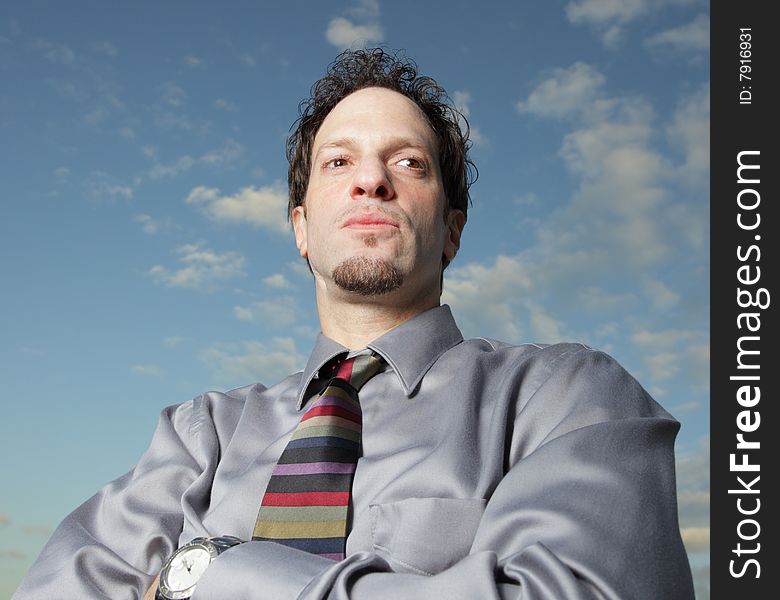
{"type": "Point", "coordinates": [488, 471]}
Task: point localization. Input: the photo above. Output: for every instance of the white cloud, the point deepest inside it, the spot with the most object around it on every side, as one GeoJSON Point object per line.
{"type": "Point", "coordinates": [535, 293]}
{"type": "Point", "coordinates": [527, 200]}
{"type": "Point", "coordinates": [598, 300]}
{"type": "Point", "coordinates": [175, 340]}
{"type": "Point", "coordinates": [192, 61]}
{"type": "Point", "coordinates": [660, 295]}
{"type": "Point", "coordinates": [661, 339]}
{"type": "Point", "coordinates": [236, 364]}
{"type": "Point", "coordinates": [103, 187]}
{"type": "Point", "coordinates": [610, 16]}
{"type": "Point", "coordinates": [172, 94]}
{"type": "Point", "coordinates": [690, 132]}
{"type": "Point", "coordinates": [149, 225]}
{"type": "Point", "coordinates": [609, 329]}
{"type": "Point", "coordinates": [569, 91]}
{"type": "Point", "coordinates": [264, 207]}
{"type": "Point", "coordinates": [596, 261]}
{"type": "Point", "coordinates": [609, 129]}
{"type": "Point", "coordinates": [175, 120]}
{"type": "Point", "coordinates": [106, 48]}
{"type": "Point", "coordinates": [604, 11]}
{"type": "Point", "coordinates": [242, 314]}
{"type": "Point", "coordinates": [696, 539]}
{"type": "Point", "coordinates": [693, 37]}
{"type": "Point", "coordinates": [477, 137]}
{"type": "Point", "coordinates": [55, 53]}
{"type": "Point", "coordinates": [686, 407]}
{"type": "Point", "coordinates": [361, 28]}
{"type": "Point", "coordinates": [545, 327]}
{"type": "Point", "coordinates": [227, 154]}
{"type": "Point", "coordinates": [664, 352]}
{"type": "Point", "coordinates": [343, 33]}
{"type": "Point", "coordinates": [277, 280]}
{"type": "Point", "coordinates": [276, 312]}
{"type": "Point", "coordinates": [612, 36]}
{"type": "Point", "coordinates": [230, 151]}
{"type": "Point", "coordinates": [307, 332]}
{"type": "Point", "coordinates": [693, 485]}
{"type": "Point", "coordinates": [225, 105]}
{"type": "Point", "coordinates": [182, 165]}
{"type": "Point", "coordinates": [203, 268]}
{"type": "Point", "coordinates": [471, 288]}
{"type": "Point", "coordinates": [623, 206]}
{"type": "Point", "coordinates": [96, 116]}
{"type": "Point", "coordinates": [662, 365]}
{"type": "Point", "coordinates": [44, 530]}
{"type": "Point", "coordinates": [147, 370]}
{"type": "Point", "coordinates": [690, 347]}
{"type": "Point", "coordinates": [462, 101]}
{"type": "Point", "coordinates": [699, 356]}
{"type": "Point", "coordinates": [153, 226]}
{"type": "Point", "coordinates": [68, 90]}
{"type": "Point", "coordinates": [301, 269]}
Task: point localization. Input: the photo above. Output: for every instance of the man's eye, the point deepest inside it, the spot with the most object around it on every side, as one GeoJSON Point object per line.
{"type": "Point", "coordinates": [411, 163]}
{"type": "Point", "coordinates": [335, 163]}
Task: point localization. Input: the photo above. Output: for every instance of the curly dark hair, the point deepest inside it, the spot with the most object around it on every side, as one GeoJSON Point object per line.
{"type": "Point", "coordinates": [353, 70]}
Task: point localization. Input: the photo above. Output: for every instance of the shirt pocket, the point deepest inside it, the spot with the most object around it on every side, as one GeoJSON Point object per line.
{"type": "Point", "coordinates": [425, 535]}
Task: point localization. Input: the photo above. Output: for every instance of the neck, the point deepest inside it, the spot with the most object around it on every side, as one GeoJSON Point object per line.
{"type": "Point", "coordinates": [354, 321]}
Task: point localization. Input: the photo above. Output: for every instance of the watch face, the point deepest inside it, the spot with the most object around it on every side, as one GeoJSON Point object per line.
{"type": "Point", "coordinates": [184, 569]}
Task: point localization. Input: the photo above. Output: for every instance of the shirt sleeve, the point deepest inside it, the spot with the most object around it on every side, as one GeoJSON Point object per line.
{"type": "Point", "coordinates": [113, 545]}
{"type": "Point", "coordinates": [586, 510]}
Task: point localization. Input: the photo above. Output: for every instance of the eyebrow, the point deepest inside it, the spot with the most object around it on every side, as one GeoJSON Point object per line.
{"type": "Point", "coordinates": [394, 143]}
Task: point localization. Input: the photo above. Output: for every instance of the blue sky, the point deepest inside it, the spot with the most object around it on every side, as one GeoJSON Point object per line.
{"type": "Point", "coordinates": [145, 255]}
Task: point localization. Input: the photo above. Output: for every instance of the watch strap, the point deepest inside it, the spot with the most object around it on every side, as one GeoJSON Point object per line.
{"type": "Point", "coordinates": [223, 542]}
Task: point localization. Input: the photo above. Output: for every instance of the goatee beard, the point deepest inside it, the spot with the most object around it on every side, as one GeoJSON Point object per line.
{"type": "Point", "coordinates": [367, 276]}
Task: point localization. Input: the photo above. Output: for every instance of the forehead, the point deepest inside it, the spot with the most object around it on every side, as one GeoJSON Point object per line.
{"type": "Point", "coordinates": [374, 114]}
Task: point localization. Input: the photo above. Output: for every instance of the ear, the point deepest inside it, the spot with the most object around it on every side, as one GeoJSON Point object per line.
{"type": "Point", "coordinates": [298, 218]}
{"type": "Point", "coordinates": [455, 221]}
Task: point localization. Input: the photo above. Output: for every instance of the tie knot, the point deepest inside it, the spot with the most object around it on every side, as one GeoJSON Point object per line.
{"type": "Point", "coordinates": [357, 370]}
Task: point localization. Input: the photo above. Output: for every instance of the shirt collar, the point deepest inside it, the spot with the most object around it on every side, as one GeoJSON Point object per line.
{"type": "Point", "coordinates": [410, 349]}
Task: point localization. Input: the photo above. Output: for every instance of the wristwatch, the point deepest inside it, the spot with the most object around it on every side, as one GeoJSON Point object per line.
{"type": "Point", "coordinates": [183, 569]}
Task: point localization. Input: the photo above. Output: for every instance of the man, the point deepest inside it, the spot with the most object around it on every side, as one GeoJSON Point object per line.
{"type": "Point", "coordinates": [480, 469]}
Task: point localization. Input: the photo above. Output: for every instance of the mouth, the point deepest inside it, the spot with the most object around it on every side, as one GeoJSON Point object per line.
{"type": "Point", "coordinates": [371, 221]}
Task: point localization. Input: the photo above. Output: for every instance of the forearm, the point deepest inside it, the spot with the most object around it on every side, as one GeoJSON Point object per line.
{"type": "Point", "coordinates": [601, 525]}
{"type": "Point", "coordinates": [267, 571]}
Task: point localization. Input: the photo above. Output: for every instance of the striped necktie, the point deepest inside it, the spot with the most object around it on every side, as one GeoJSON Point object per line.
{"type": "Point", "coordinates": [306, 503]}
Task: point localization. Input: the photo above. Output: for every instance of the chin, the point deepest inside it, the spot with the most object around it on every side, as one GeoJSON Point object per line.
{"type": "Point", "coordinates": [367, 276]}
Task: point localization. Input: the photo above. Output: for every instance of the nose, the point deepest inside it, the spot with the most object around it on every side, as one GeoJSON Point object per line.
{"type": "Point", "coordinates": [371, 181]}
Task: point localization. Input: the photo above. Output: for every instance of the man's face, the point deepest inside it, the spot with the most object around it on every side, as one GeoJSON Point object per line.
{"type": "Point", "coordinates": [373, 220]}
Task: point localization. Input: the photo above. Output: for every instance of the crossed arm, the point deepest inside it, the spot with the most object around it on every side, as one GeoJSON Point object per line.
{"type": "Point", "coordinates": [587, 513]}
